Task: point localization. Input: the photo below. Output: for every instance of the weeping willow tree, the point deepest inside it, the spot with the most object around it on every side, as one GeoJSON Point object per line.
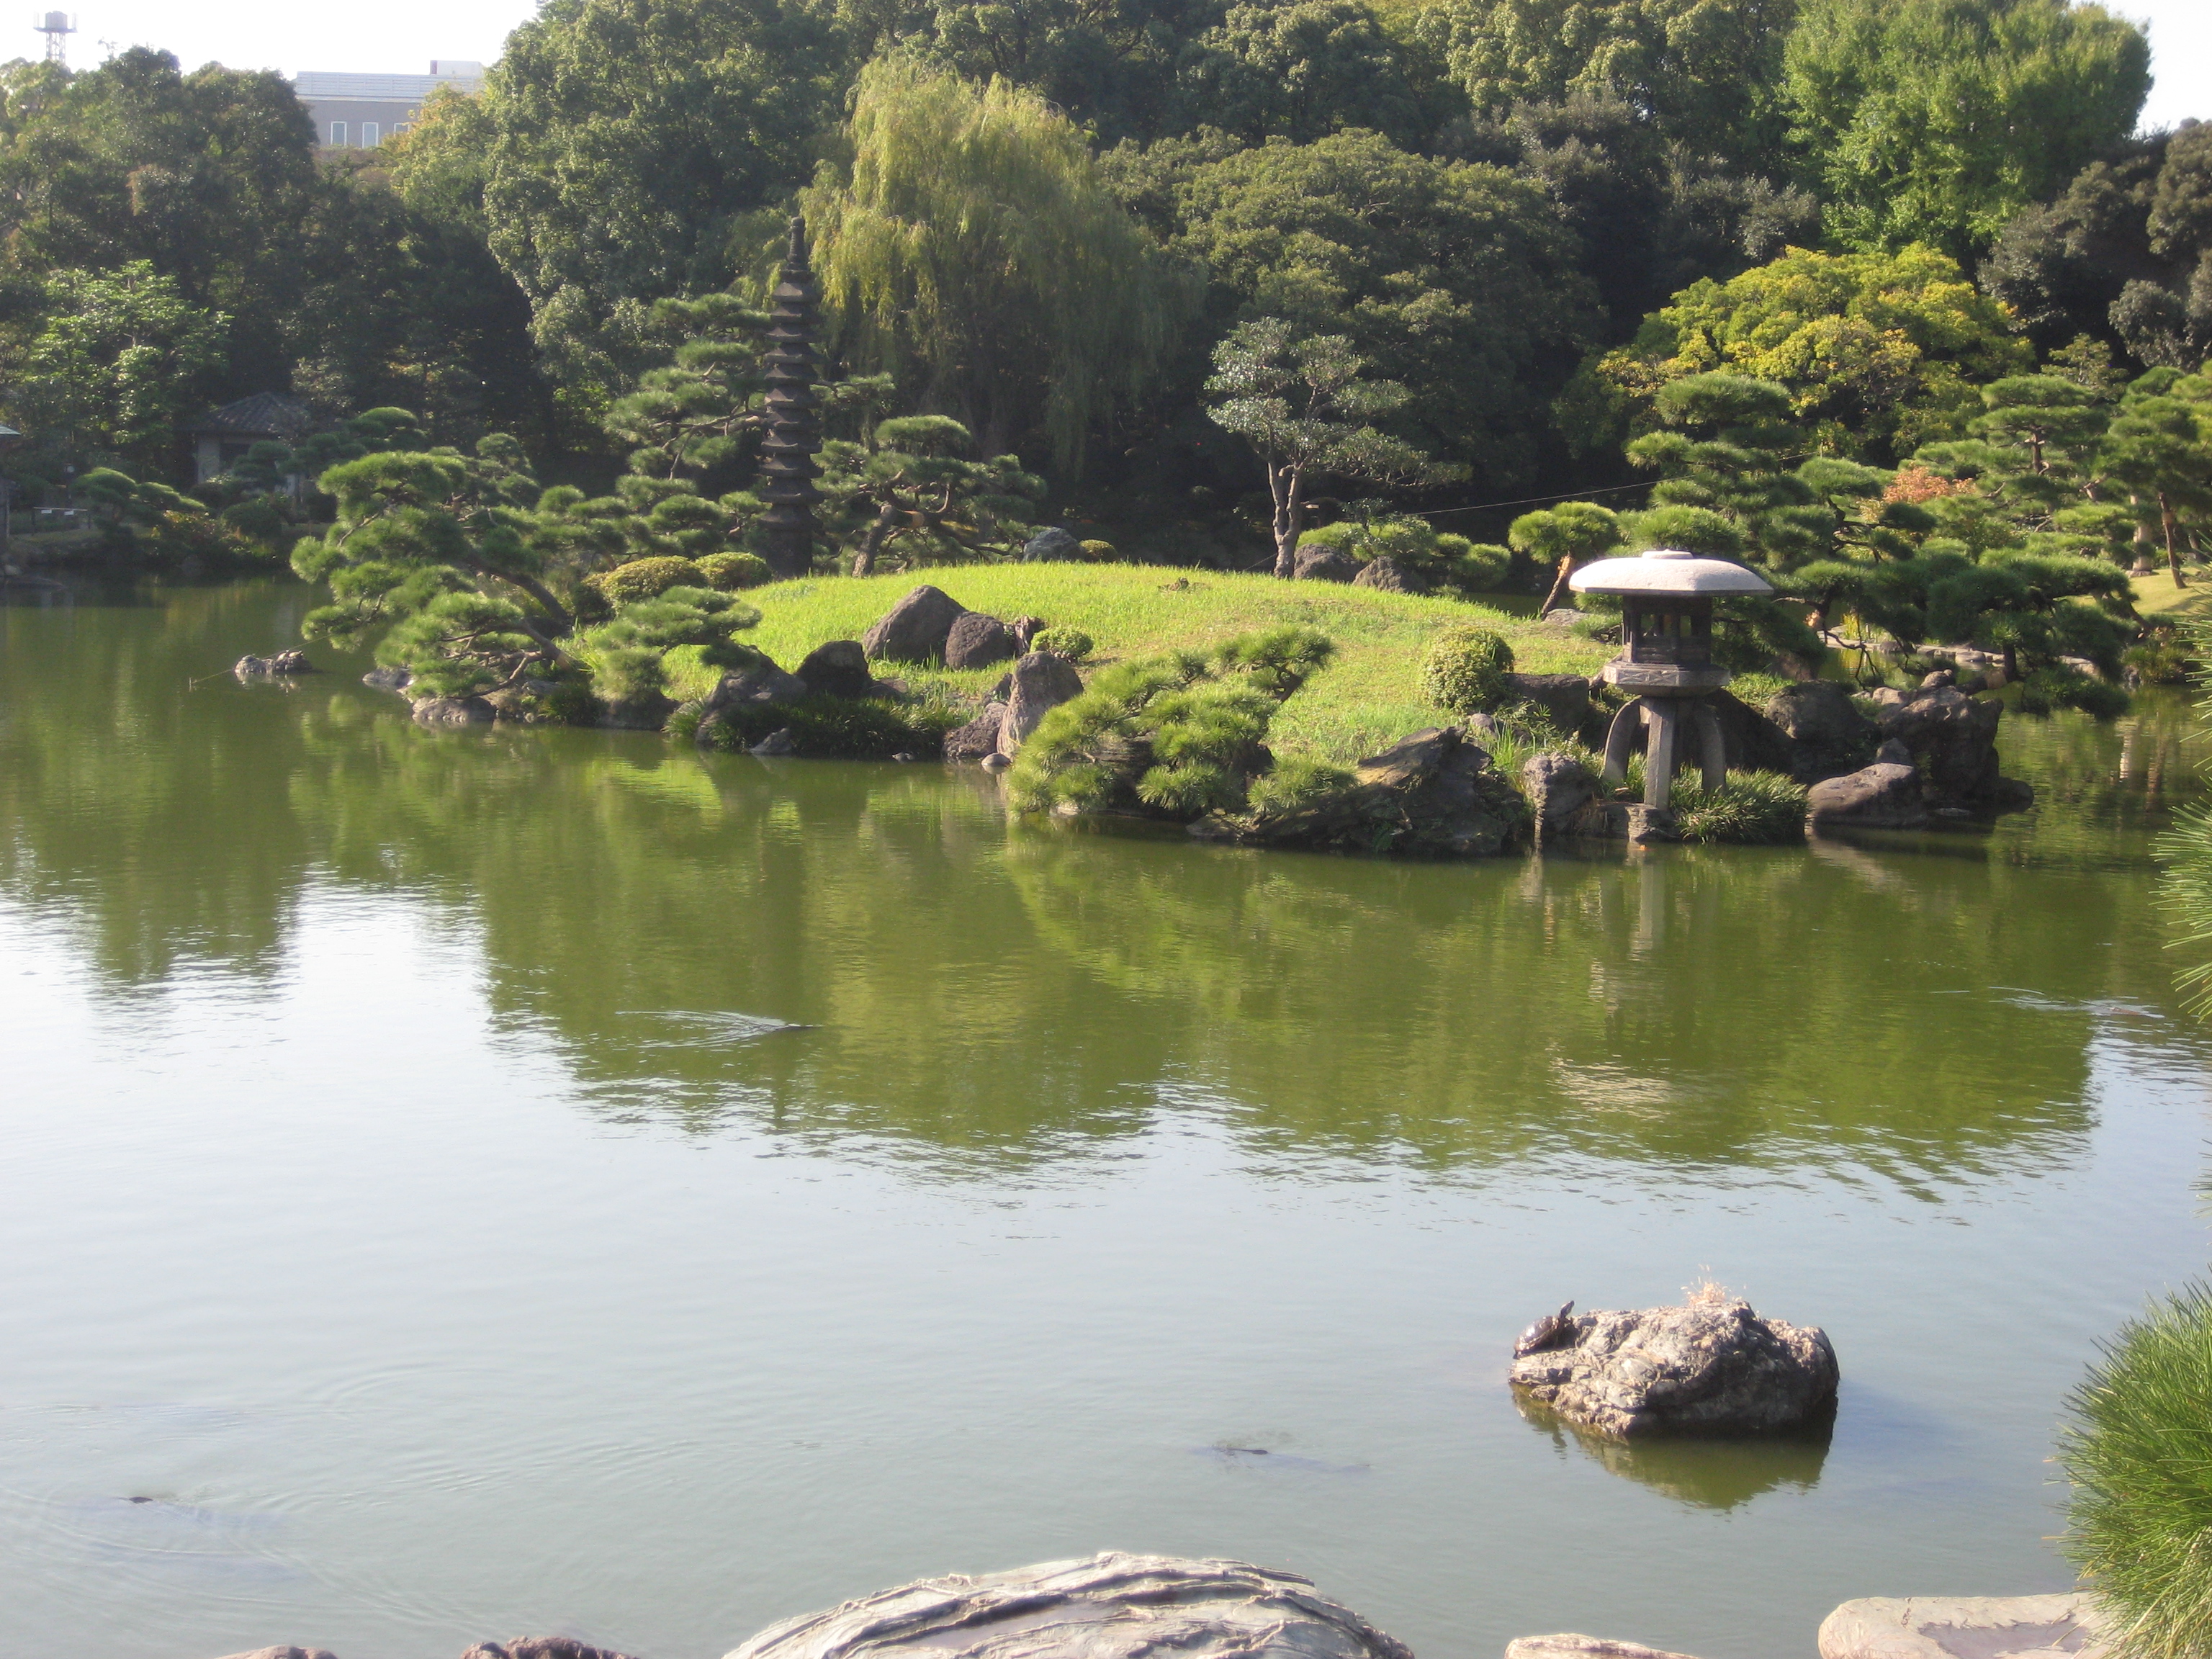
{"type": "Point", "coordinates": [973, 251]}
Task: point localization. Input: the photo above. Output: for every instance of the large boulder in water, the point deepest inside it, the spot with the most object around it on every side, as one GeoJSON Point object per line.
{"type": "Point", "coordinates": [1883, 796]}
{"type": "Point", "coordinates": [915, 630]}
{"type": "Point", "coordinates": [1110, 1607]}
{"type": "Point", "coordinates": [1956, 736]}
{"type": "Point", "coordinates": [454, 711]}
{"type": "Point", "coordinates": [1706, 1368]}
{"type": "Point", "coordinates": [1039, 683]}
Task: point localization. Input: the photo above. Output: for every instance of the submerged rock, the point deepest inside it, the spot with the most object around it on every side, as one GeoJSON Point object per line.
{"type": "Point", "coordinates": [1709, 1367]}
{"type": "Point", "coordinates": [541, 1647]}
{"type": "Point", "coordinates": [915, 630]}
{"type": "Point", "coordinates": [1039, 683]}
{"type": "Point", "coordinates": [776, 743]}
{"type": "Point", "coordinates": [386, 679]}
{"type": "Point", "coordinates": [454, 711]}
{"type": "Point", "coordinates": [1965, 1627]}
{"type": "Point", "coordinates": [284, 1653]}
{"type": "Point", "coordinates": [1112, 1606]}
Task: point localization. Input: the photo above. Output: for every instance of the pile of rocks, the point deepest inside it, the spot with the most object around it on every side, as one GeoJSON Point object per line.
{"type": "Point", "coordinates": [1432, 793]}
{"type": "Point", "coordinates": [282, 664]}
{"type": "Point", "coordinates": [930, 625]}
{"type": "Point", "coordinates": [1935, 756]}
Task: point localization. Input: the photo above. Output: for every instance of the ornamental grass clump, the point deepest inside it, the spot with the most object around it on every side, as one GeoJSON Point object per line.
{"type": "Point", "coordinates": [1178, 736]}
{"type": "Point", "coordinates": [2137, 1447]}
{"type": "Point", "coordinates": [1465, 671]}
{"type": "Point", "coordinates": [1750, 808]}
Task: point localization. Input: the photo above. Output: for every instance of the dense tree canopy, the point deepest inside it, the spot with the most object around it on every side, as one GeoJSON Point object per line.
{"type": "Point", "coordinates": [1935, 121]}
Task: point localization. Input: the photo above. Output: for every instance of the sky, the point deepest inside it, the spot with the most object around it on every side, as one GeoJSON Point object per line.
{"type": "Point", "coordinates": [402, 37]}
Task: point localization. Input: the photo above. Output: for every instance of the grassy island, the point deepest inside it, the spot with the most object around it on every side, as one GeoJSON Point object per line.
{"type": "Point", "coordinates": [1366, 697]}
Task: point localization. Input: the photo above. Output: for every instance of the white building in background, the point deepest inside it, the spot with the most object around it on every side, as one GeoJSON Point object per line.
{"type": "Point", "coordinates": [360, 112]}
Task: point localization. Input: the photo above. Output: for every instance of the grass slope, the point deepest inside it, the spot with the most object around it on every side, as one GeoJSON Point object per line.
{"type": "Point", "coordinates": [1370, 695]}
{"type": "Point", "coordinates": [2157, 596]}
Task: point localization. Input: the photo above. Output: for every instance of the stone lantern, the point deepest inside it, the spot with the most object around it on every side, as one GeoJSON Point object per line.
{"type": "Point", "coordinates": [1666, 658]}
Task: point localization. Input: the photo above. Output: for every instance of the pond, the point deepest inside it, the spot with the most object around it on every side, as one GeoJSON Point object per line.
{"type": "Point", "coordinates": [470, 1184]}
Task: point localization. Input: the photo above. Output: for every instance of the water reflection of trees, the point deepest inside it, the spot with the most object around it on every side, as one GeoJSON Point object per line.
{"type": "Point", "coordinates": [1044, 994]}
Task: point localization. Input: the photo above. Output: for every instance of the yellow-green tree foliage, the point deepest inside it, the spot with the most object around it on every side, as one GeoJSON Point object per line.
{"type": "Point", "coordinates": [1880, 352]}
{"type": "Point", "coordinates": [973, 251]}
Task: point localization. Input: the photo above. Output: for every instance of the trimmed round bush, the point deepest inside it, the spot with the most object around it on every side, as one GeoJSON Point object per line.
{"type": "Point", "coordinates": [1096, 552]}
{"type": "Point", "coordinates": [1072, 643]}
{"type": "Point", "coordinates": [2138, 1448]}
{"type": "Point", "coordinates": [1464, 672]}
{"type": "Point", "coordinates": [647, 579]}
{"type": "Point", "coordinates": [729, 572]}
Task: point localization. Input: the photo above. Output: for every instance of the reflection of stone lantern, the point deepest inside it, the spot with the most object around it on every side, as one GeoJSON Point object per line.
{"type": "Point", "coordinates": [1666, 658]}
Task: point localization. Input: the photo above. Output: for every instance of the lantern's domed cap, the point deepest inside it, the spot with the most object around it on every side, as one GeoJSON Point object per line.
{"type": "Point", "coordinates": [1668, 570]}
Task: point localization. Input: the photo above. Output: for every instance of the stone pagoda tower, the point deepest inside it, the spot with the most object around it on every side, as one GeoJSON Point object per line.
{"type": "Point", "coordinates": [793, 416]}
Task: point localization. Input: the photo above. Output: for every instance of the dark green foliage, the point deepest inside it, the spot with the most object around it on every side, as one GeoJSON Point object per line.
{"type": "Point", "coordinates": [2164, 656]}
{"type": "Point", "coordinates": [1178, 736]}
{"type": "Point", "coordinates": [1072, 643]}
{"type": "Point", "coordinates": [1465, 671]}
{"type": "Point", "coordinates": [646, 578]}
{"type": "Point", "coordinates": [2138, 1448]}
{"type": "Point", "coordinates": [731, 572]}
{"type": "Point", "coordinates": [1301, 70]}
{"type": "Point", "coordinates": [836, 728]}
{"type": "Point", "coordinates": [627, 655]}
{"type": "Point", "coordinates": [2056, 686]}
{"type": "Point", "coordinates": [907, 493]}
{"type": "Point", "coordinates": [1750, 808]}
{"type": "Point", "coordinates": [1439, 559]}
{"type": "Point", "coordinates": [1299, 784]}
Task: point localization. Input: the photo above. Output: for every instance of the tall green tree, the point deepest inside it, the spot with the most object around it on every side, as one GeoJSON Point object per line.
{"type": "Point", "coordinates": [115, 360]}
{"type": "Point", "coordinates": [908, 489]}
{"type": "Point", "coordinates": [1935, 121]}
{"type": "Point", "coordinates": [1307, 406]}
{"type": "Point", "coordinates": [1454, 279]}
{"type": "Point", "coordinates": [973, 251]}
{"type": "Point", "coordinates": [1701, 73]}
{"type": "Point", "coordinates": [1301, 70]}
{"type": "Point", "coordinates": [626, 143]}
{"type": "Point", "coordinates": [2160, 446]}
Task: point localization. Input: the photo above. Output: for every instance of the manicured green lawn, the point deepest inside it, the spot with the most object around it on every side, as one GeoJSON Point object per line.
{"type": "Point", "coordinates": [1368, 696]}
{"type": "Point", "coordinates": [2156, 595]}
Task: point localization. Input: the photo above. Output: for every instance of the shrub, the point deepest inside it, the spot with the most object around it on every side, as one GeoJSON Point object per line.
{"type": "Point", "coordinates": [2060, 687]}
{"type": "Point", "coordinates": [1751, 808]}
{"type": "Point", "coordinates": [628, 655]}
{"type": "Point", "coordinates": [1097, 552]}
{"type": "Point", "coordinates": [2164, 658]}
{"type": "Point", "coordinates": [836, 728]}
{"type": "Point", "coordinates": [729, 572]}
{"type": "Point", "coordinates": [1440, 559]}
{"type": "Point", "coordinates": [1464, 672]}
{"type": "Point", "coordinates": [1476, 567]}
{"type": "Point", "coordinates": [1300, 783]}
{"type": "Point", "coordinates": [1278, 659]}
{"type": "Point", "coordinates": [1072, 643]}
{"type": "Point", "coordinates": [2137, 1447]}
{"type": "Point", "coordinates": [647, 579]}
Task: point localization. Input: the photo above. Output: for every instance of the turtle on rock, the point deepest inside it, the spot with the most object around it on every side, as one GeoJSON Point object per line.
{"type": "Point", "coordinates": [1545, 1332]}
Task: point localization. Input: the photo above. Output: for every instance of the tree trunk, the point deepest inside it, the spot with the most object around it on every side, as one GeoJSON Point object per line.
{"type": "Point", "coordinates": [1567, 568]}
{"type": "Point", "coordinates": [871, 543]}
{"type": "Point", "coordinates": [2172, 553]}
{"type": "Point", "coordinates": [1287, 485]}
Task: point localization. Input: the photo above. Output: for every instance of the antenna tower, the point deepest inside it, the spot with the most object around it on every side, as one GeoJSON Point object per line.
{"type": "Point", "coordinates": [56, 26]}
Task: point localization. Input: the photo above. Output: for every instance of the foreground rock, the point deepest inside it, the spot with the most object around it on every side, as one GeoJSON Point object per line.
{"type": "Point", "coordinates": [1561, 791]}
{"type": "Point", "coordinates": [524, 1647]}
{"type": "Point", "coordinates": [1709, 1367]}
{"type": "Point", "coordinates": [1571, 1646]}
{"type": "Point", "coordinates": [1038, 684]}
{"type": "Point", "coordinates": [1964, 1627]}
{"type": "Point", "coordinates": [915, 630]}
{"type": "Point", "coordinates": [284, 1653]}
{"type": "Point", "coordinates": [980, 737]}
{"type": "Point", "coordinates": [838, 668]}
{"type": "Point", "coordinates": [283, 663]}
{"type": "Point", "coordinates": [1110, 1607]}
{"type": "Point", "coordinates": [975, 641]}
{"type": "Point", "coordinates": [1883, 796]}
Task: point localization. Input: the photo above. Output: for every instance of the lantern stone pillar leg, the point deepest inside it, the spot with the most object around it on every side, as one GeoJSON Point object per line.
{"type": "Point", "coordinates": [1712, 746]}
{"type": "Point", "coordinates": [1665, 721]}
{"type": "Point", "coordinates": [1620, 738]}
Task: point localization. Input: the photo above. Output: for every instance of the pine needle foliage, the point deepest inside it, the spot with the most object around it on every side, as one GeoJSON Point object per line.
{"type": "Point", "coordinates": [2138, 1448]}
{"type": "Point", "coordinates": [2187, 849]}
{"type": "Point", "coordinates": [975, 252]}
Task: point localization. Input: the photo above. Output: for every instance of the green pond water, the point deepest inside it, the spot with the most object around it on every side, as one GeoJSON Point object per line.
{"type": "Point", "coordinates": [454, 1185]}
